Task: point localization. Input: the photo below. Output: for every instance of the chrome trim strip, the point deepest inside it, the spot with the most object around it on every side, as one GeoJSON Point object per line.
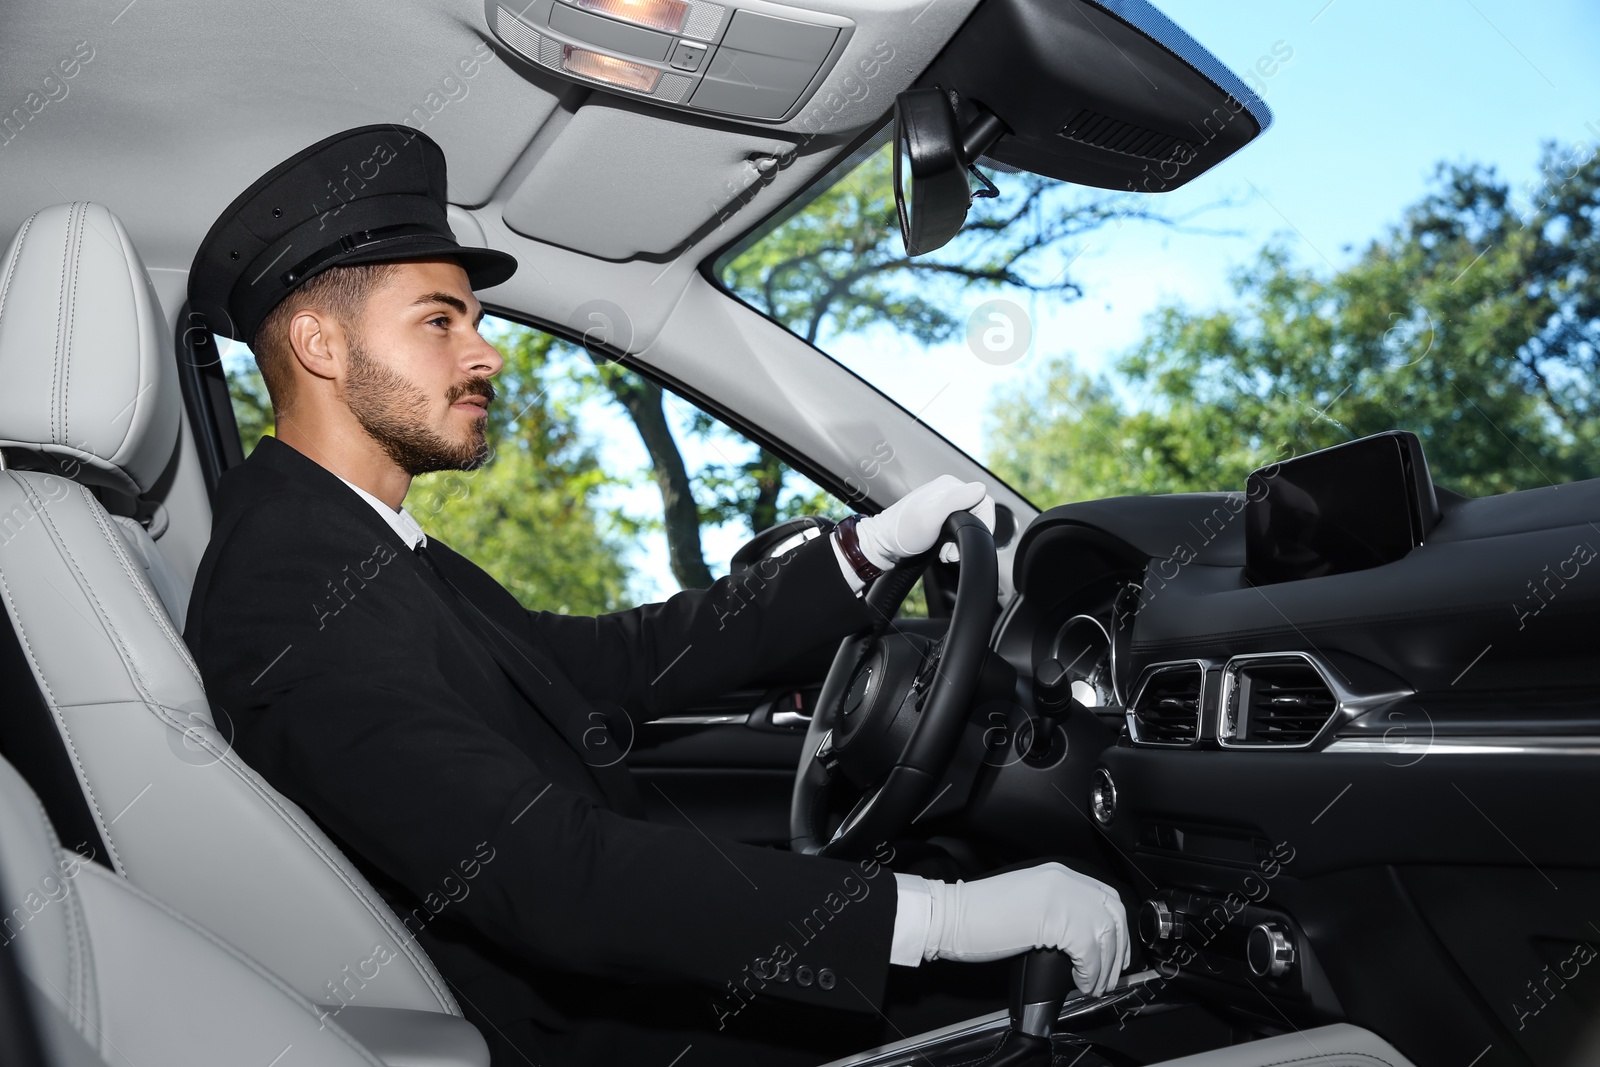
{"type": "Point", "coordinates": [700, 720]}
{"type": "Point", "coordinates": [910, 1050]}
{"type": "Point", "coordinates": [1347, 704]}
{"type": "Point", "coordinates": [1200, 701]}
{"type": "Point", "coordinates": [1468, 746]}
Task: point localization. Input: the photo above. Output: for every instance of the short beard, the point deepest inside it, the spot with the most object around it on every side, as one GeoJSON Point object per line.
{"type": "Point", "coordinates": [392, 411]}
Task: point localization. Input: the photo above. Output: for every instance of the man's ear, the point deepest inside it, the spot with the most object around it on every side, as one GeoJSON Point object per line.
{"type": "Point", "coordinates": [317, 341]}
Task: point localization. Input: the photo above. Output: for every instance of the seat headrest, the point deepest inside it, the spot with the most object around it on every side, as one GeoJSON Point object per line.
{"type": "Point", "coordinates": [88, 375]}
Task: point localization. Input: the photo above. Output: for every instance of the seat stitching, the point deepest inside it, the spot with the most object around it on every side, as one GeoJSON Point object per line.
{"type": "Point", "coordinates": [145, 583]}
{"type": "Point", "coordinates": [88, 590]}
{"type": "Point", "coordinates": [157, 612]}
{"type": "Point", "coordinates": [11, 267]}
{"type": "Point", "coordinates": [78, 967]}
{"type": "Point", "coordinates": [229, 759]}
{"type": "Point", "coordinates": [1324, 1055]}
{"type": "Point", "coordinates": [61, 296]}
{"type": "Point", "coordinates": [72, 309]}
{"type": "Point", "coordinates": [294, 996]}
{"type": "Point", "coordinates": [55, 713]}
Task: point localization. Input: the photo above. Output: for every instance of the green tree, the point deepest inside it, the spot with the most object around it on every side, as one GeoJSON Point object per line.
{"type": "Point", "coordinates": [252, 408]}
{"type": "Point", "coordinates": [1472, 323]}
{"type": "Point", "coordinates": [680, 512]}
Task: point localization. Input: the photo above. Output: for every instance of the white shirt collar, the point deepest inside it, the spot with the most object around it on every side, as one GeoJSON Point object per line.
{"type": "Point", "coordinates": [401, 522]}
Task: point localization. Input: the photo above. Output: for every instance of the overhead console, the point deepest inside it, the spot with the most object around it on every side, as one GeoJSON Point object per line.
{"type": "Point", "coordinates": [755, 61]}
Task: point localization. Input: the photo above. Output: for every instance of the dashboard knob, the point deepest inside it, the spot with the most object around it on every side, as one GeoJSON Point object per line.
{"type": "Point", "coordinates": [1269, 951]}
{"type": "Point", "coordinates": [1052, 688]}
{"type": "Point", "coordinates": [1158, 923]}
{"type": "Point", "coordinates": [1103, 797]}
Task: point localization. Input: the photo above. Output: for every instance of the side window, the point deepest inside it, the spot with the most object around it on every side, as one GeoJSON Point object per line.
{"type": "Point", "coordinates": [603, 489]}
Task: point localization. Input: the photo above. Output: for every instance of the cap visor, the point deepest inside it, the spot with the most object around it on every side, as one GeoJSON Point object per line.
{"type": "Point", "coordinates": [485, 267]}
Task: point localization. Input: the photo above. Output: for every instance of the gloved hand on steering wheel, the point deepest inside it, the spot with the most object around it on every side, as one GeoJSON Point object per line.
{"type": "Point", "coordinates": [911, 525]}
{"type": "Point", "coordinates": [1046, 906]}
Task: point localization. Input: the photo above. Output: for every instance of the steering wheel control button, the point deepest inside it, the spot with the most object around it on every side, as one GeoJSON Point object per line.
{"type": "Point", "coordinates": [825, 978]}
{"type": "Point", "coordinates": [804, 975]}
{"type": "Point", "coordinates": [1269, 951]}
{"type": "Point", "coordinates": [1103, 797]}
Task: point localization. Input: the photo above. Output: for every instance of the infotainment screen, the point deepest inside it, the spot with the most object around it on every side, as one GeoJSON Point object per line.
{"type": "Point", "coordinates": [1345, 508]}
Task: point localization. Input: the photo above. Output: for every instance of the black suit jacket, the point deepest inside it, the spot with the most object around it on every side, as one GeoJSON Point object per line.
{"type": "Point", "coordinates": [463, 751]}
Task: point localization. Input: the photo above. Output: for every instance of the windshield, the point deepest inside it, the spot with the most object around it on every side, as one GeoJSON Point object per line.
{"type": "Point", "coordinates": [1333, 280]}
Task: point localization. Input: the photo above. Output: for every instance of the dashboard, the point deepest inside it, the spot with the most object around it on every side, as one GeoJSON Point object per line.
{"type": "Point", "coordinates": [1317, 764]}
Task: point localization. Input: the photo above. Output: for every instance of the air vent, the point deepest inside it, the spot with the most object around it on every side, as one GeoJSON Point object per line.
{"type": "Point", "coordinates": [1166, 708]}
{"type": "Point", "coordinates": [1114, 135]}
{"type": "Point", "coordinates": [1274, 702]}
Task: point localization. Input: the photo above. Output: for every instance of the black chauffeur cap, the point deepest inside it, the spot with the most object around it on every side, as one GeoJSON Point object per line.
{"type": "Point", "coordinates": [374, 194]}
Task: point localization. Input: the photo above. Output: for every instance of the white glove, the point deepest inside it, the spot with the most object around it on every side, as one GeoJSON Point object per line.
{"type": "Point", "coordinates": [911, 524]}
{"type": "Point", "coordinates": [1047, 906]}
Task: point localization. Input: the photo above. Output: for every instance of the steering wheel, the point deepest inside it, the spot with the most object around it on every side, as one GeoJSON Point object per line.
{"type": "Point", "coordinates": [894, 705]}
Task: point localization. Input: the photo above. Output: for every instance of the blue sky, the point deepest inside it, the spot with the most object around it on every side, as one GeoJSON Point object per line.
{"type": "Point", "coordinates": [1376, 93]}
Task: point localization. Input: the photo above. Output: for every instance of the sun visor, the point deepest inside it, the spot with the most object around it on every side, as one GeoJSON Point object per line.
{"type": "Point", "coordinates": [618, 182]}
{"type": "Point", "coordinates": [1105, 93]}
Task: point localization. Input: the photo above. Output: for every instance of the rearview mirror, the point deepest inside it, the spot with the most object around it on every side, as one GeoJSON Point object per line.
{"type": "Point", "coordinates": [932, 158]}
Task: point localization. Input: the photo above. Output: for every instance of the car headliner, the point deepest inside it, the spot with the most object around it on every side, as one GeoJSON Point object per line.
{"type": "Point", "coordinates": [182, 104]}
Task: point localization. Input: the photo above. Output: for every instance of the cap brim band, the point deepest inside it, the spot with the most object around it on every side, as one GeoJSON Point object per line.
{"type": "Point", "coordinates": [485, 267]}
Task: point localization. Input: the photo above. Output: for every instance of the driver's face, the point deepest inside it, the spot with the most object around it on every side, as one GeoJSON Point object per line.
{"type": "Point", "coordinates": [418, 375]}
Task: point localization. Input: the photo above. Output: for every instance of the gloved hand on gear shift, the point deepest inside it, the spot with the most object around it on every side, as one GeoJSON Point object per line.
{"type": "Point", "coordinates": [1047, 906]}
{"type": "Point", "coordinates": [911, 525]}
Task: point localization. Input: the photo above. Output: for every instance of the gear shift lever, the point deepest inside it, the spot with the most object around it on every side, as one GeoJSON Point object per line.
{"type": "Point", "coordinates": [1040, 983]}
{"type": "Point", "coordinates": [1041, 980]}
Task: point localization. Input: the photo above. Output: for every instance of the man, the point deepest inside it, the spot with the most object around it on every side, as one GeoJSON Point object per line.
{"type": "Point", "coordinates": [432, 725]}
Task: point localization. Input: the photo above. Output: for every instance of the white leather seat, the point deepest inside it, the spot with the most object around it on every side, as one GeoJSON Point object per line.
{"type": "Point", "coordinates": [1339, 1045]}
{"type": "Point", "coordinates": [114, 973]}
{"type": "Point", "coordinates": [90, 397]}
